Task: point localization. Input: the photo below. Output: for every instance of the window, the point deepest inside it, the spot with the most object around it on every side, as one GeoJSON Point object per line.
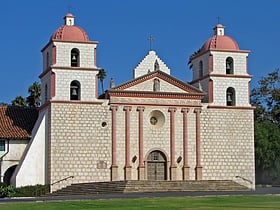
{"type": "Point", "coordinates": [200, 69]}
{"type": "Point", "coordinates": [229, 65]}
{"type": "Point", "coordinates": [75, 57]}
{"type": "Point", "coordinates": [75, 90]}
{"type": "Point", "coordinates": [2, 145]}
{"type": "Point", "coordinates": [230, 96]}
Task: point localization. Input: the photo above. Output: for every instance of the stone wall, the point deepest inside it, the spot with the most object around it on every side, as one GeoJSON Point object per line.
{"type": "Point", "coordinates": [228, 144]}
{"type": "Point", "coordinates": [79, 143]}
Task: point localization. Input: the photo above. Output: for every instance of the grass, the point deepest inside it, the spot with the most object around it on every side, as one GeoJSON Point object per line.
{"type": "Point", "coordinates": [178, 203]}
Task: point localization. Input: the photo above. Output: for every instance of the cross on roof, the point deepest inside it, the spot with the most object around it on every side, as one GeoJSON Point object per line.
{"type": "Point", "coordinates": [151, 39]}
{"type": "Point", "coordinates": [69, 8]}
{"type": "Point", "coordinates": [218, 18]}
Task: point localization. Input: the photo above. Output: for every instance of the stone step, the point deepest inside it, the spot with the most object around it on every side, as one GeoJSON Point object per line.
{"type": "Point", "coordinates": [148, 186]}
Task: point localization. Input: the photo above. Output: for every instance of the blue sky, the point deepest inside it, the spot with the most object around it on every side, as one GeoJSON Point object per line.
{"type": "Point", "coordinates": [122, 28]}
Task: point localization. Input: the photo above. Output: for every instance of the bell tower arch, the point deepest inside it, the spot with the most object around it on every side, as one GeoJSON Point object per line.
{"type": "Point", "coordinates": [69, 65]}
{"type": "Point", "coordinates": [220, 68]}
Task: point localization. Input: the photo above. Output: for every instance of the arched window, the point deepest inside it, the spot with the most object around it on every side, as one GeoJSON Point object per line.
{"type": "Point", "coordinates": [230, 96]}
{"type": "Point", "coordinates": [200, 69]}
{"type": "Point", "coordinates": [75, 57]}
{"type": "Point", "coordinates": [229, 65]}
{"type": "Point", "coordinates": [75, 90]}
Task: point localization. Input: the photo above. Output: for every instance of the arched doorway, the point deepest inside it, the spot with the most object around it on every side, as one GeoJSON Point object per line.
{"type": "Point", "coordinates": [8, 174]}
{"type": "Point", "coordinates": [156, 166]}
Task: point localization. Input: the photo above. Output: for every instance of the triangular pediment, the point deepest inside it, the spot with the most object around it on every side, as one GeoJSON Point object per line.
{"type": "Point", "coordinates": [155, 84]}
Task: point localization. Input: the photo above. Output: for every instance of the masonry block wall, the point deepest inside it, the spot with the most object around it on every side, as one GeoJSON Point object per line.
{"type": "Point", "coordinates": [79, 143]}
{"type": "Point", "coordinates": [228, 144]}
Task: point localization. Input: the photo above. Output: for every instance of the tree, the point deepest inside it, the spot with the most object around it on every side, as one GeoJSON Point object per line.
{"type": "Point", "coordinates": [19, 101]}
{"type": "Point", "coordinates": [191, 58]}
{"type": "Point", "coordinates": [101, 76]}
{"type": "Point", "coordinates": [33, 100]}
{"type": "Point", "coordinates": [267, 152]}
{"type": "Point", "coordinates": [266, 98]}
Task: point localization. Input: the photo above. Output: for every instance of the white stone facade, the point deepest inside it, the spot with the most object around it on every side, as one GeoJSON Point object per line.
{"type": "Point", "coordinates": [147, 65]}
{"type": "Point", "coordinates": [113, 137]}
{"type": "Point", "coordinates": [12, 155]}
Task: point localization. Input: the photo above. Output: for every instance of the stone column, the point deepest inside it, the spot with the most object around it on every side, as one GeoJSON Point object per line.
{"type": "Point", "coordinates": [114, 166]}
{"type": "Point", "coordinates": [141, 167]}
{"type": "Point", "coordinates": [198, 168]}
{"type": "Point", "coordinates": [186, 167]}
{"type": "Point", "coordinates": [127, 167]}
{"type": "Point", "coordinates": [173, 166]}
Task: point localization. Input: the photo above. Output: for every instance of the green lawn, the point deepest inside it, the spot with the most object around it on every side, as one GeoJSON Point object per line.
{"type": "Point", "coordinates": [205, 203]}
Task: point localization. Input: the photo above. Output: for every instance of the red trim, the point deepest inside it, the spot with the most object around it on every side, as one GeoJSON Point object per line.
{"type": "Point", "coordinates": [149, 94]}
{"type": "Point", "coordinates": [53, 55]}
{"type": "Point", "coordinates": [231, 76]}
{"type": "Point", "coordinates": [172, 136]}
{"type": "Point", "coordinates": [75, 68]}
{"type": "Point", "coordinates": [127, 110]}
{"type": "Point", "coordinates": [210, 91]}
{"type": "Point", "coordinates": [114, 136]}
{"type": "Point", "coordinates": [198, 155]}
{"type": "Point", "coordinates": [53, 80]}
{"type": "Point", "coordinates": [220, 50]}
{"type": "Point", "coordinates": [76, 102]}
{"type": "Point", "coordinates": [159, 74]}
{"type": "Point", "coordinates": [141, 109]}
{"type": "Point", "coordinates": [221, 75]}
{"type": "Point", "coordinates": [230, 107]}
{"type": "Point", "coordinates": [210, 63]}
{"type": "Point", "coordinates": [96, 86]}
{"type": "Point", "coordinates": [247, 64]}
{"type": "Point", "coordinates": [159, 105]}
{"type": "Point", "coordinates": [185, 136]}
{"type": "Point", "coordinates": [67, 68]}
{"type": "Point", "coordinates": [94, 57]}
{"type": "Point", "coordinates": [249, 100]}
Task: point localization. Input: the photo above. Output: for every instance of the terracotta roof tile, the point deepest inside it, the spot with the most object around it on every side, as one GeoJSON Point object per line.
{"type": "Point", "coordinates": [17, 122]}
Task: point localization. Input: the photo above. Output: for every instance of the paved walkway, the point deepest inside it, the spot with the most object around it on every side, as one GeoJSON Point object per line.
{"type": "Point", "coordinates": [258, 191]}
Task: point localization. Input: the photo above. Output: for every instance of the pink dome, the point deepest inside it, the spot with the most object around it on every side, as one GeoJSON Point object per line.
{"type": "Point", "coordinates": [70, 32]}
{"type": "Point", "coordinates": [220, 43]}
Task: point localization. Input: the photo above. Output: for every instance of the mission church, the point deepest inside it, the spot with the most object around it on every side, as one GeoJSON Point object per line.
{"type": "Point", "coordinates": [153, 127]}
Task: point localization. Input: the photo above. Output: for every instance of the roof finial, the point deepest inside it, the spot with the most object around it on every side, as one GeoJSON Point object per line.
{"type": "Point", "coordinates": [218, 18]}
{"type": "Point", "coordinates": [69, 8]}
{"type": "Point", "coordinates": [151, 39]}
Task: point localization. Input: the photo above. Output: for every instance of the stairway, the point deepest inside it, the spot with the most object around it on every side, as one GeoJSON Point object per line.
{"type": "Point", "coordinates": [95, 188]}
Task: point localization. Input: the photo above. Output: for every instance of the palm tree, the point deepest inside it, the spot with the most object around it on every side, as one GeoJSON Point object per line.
{"type": "Point", "coordinates": [19, 101]}
{"type": "Point", "coordinates": [33, 99]}
{"type": "Point", "coordinates": [101, 76]}
{"type": "Point", "coordinates": [191, 57]}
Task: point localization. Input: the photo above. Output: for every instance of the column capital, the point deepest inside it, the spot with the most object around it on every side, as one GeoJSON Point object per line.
{"type": "Point", "coordinates": [172, 109]}
{"type": "Point", "coordinates": [127, 108]}
{"type": "Point", "coordinates": [140, 108]}
{"type": "Point", "coordinates": [197, 110]}
{"type": "Point", "coordinates": [185, 110]}
{"type": "Point", "coordinates": [114, 107]}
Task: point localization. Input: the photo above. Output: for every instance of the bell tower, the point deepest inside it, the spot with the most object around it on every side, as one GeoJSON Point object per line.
{"type": "Point", "coordinates": [220, 68]}
{"type": "Point", "coordinates": [69, 65]}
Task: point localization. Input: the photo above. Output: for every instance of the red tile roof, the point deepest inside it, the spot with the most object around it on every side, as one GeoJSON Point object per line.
{"type": "Point", "coordinates": [17, 122]}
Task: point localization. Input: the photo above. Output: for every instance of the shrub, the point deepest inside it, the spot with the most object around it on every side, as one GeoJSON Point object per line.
{"type": "Point", "coordinates": [32, 191]}
{"type": "Point", "coordinates": [7, 190]}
